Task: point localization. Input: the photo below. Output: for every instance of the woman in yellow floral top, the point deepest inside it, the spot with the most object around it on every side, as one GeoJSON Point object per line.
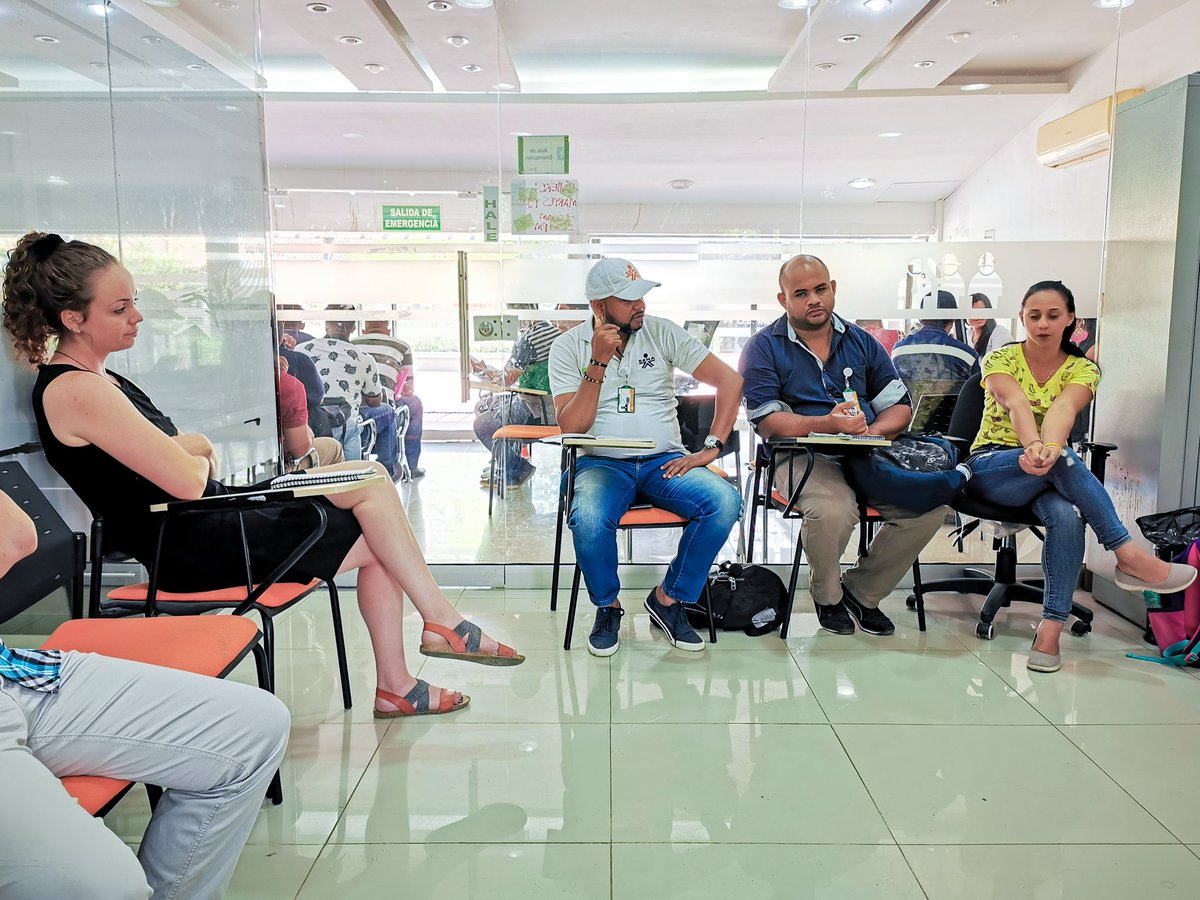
{"type": "Point", "coordinates": [1033, 392]}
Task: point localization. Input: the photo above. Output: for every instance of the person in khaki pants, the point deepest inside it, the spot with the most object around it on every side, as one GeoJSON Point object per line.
{"type": "Point", "coordinates": [796, 371]}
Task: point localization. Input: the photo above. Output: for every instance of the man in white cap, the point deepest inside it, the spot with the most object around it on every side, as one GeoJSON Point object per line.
{"type": "Point", "coordinates": [613, 376]}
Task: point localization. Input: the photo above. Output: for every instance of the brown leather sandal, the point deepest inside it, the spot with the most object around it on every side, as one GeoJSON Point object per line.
{"type": "Point", "coordinates": [416, 702]}
{"type": "Point", "coordinates": [464, 644]}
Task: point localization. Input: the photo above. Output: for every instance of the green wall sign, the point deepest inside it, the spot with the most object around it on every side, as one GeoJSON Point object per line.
{"type": "Point", "coordinates": [412, 218]}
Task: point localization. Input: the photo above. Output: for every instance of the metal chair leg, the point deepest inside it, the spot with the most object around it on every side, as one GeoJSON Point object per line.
{"type": "Point", "coordinates": [492, 479]}
{"type": "Point", "coordinates": [339, 639]}
{"type": "Point", "coordinates": [791, 595]}
{"type": "Point", "coordinates": [712, 625]}
{"type": "Point", "coordinates": [571, 608]}
{"type": "Point", "coordinates": [919, 594]}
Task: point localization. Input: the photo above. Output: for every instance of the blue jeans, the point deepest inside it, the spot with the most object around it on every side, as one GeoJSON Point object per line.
{"type": "Point", "coordinates": [1059, 498]}
{"type": "Point", "coordinates": [491, 420]}
{"type": "Point", "coordinates": [605, 488]}
{"type": "Point", "coordinates": [416, 428]}
{"type": "Point", "coordinates": [349, 435]}
{"type": "Point", "coordinates": [387, 447]}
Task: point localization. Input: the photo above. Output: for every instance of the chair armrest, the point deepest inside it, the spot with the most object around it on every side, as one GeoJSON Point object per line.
{"type": "Point", "coordinates": [1098, 454]}
{"type": "Point", "coordinates": [1098, 447]}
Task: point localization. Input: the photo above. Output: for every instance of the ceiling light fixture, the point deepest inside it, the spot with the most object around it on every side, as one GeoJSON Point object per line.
{"type": "Point", "coordinates": [680, 184]}
{"type": "Point", "coordinates": [352, 135]}
{"type": "Point", "coordinates": [152, 39]}
{"type": "Point", "coordinates": [999, 3]}
{"type": "Point", "coordinates": [229, 107]}
{"type": "Point", "coordinates": [861, 184]}
{"type": "Point", "coordinates": [474, 4]}
{"type": "Point", "coordinates": [849, 38]}
{"type": "Point", "coordinates": [98, 65]}
{"type": "Point", "coordinates": [197, 67]}
{"type": "Point", "coordinates": [958, 37]}
{"type": "Point", "coordinates": [45, 39]}
{"type": "Point", "coordinates": [440, 5]}
{"type": "Point", "coordinates": [825, 67]}
{"type": "Point", "coordinates": [56, 180]}
{"type": "Point", "coordinates": [977, 86]}
{"type": "Point", "coordinates": [877, 5]}
{"type": "Point", "coordinates": [472, 68]}
{"type": "Point", "coordinates": [458, 40]}
{"type": "Point", "coordinates": [889, 134]}
{"type": "Point", "coordinates": [166, 4]}
{"type": "Point", "coordinates": [796, 4]}
{"type": "Point", "coordinates": [1112, 4]}
{"type": "Point", "coordinates": [319, 8]}
{"type": "Point", "coordinates": [924, 64]}
{"type": "Point", "coordinates": [374, 68]}
{"type": "Point", "coordinates": [173, 73]}
{"type": "Point", "coordinates": [350, 39]}
{"type": "Point", "coordinates": [224, 4]}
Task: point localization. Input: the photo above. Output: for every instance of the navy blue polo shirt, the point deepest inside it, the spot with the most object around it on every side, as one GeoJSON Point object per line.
{"type": "Point", "coordinates": [782, 375]}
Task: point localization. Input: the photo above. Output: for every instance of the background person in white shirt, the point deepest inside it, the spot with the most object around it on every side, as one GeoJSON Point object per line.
{"type": "Point", "coordinates": [614, 376]}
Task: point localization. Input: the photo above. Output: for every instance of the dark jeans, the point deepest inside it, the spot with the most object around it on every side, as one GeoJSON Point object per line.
{"type": "Point", "coordinates": [416, 428]}
{"type": "Point", "coordinates": [488, 422]}
{"type": "Point", "coordinates": [387, 448]}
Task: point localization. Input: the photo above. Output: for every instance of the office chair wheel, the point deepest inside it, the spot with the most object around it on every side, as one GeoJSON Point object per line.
{"type": "Point", "coordinates": [911, 601]}
{"type": "Point", "coordinates": [985, 630]}
{"type": "Point", "coordinates": [1079, 629]}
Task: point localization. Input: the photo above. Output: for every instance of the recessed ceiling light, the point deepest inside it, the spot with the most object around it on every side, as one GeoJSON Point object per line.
{"type": "Point", "coordinates": [374, 68]}
{"type": "Point", "coordinates": [503, 86]}
{"type": "Point", "coordinates": [889, 134]}
{"type": "Point", "coordinates": [45, 39]}
{"type": "Point", "coordinates": [229, 107]}
{"type": "Point", "coordinates": [169, 4]}
{"type": "Point", "coordinates": [224, 4]}
{"type": "Point", "coordinates": [97, 8]}
{"type": "Point", "coordinates": [861, 184]}
{"type": "Point", "coordinates": [472, 68]}
{"type": "Point", "coordinates": [825, 67]}
{"type": "Point", "coordinates": [152, 39]}
{"type": "Point", "coordinates": [958, 37]}
{"type": "Point", "coordinates": [977, 86]}
{"type": "Point", "coordinates": [98, 65]}
{"type": "Point", "coordinates": [439, 5]}
{"type": "Point", "coordinates": [197, 67]}
{"type": "Point", "coordinates": [796, 4]}
{"type": "Point", "coordinates": [474, 4]}
{"type": "Point", "coordinates": [56, 179]}
{"type": "Point", "coordinates": [350, 39]}
{"type": "Point", "coordinates": [849, 38]}
{"type": "Point", "coordinates": [924, 64]}
{"type": "Point", "coordinates": [999, 2]}
{"type": "Point", "coordinates": [680, 184]}
{"type": "Point", "coordinates": [877, 5]}
{"type": "Point", "coordinates": [352, 135]}
{"type": "Point", "coordinates": [319, 8]}
{"type": "Point", "coordinates": [1112, 4]}
{"type": "Point", "coordinates": [458, 40]}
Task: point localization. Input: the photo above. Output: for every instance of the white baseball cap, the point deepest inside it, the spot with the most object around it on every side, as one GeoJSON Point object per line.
{"type": "Point", "coordinates": [616, 277]}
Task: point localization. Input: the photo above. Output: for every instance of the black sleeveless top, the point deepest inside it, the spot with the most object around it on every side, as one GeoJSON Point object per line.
{"type": "Point", "coordinates": [203, 552]}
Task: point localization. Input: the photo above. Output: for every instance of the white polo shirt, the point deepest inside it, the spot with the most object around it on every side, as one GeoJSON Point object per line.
{"type": "Point", "coordinates": [651, 355]}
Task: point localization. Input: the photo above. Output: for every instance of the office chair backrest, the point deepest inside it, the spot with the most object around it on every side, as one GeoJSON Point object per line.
{"type": "Point", "coordinates": [968, 412]}
{"type": "Point", "coordinates": [695, 412]}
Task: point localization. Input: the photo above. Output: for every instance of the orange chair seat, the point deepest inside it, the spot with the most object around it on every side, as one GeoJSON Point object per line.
{"type": "Point", "coordinates": [94, 792]}
{"type": "Point", "coordinates": [650, 515]}
{"type": "Point", "coordinates": [277, 595]}
{"type": "Point", "coordinates": [526, 432]}
{"type": "Point", "coordinates": [206, 645]}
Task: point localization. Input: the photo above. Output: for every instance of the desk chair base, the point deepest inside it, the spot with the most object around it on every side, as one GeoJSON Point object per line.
{"type": "Point", "coordinates": [1000, 590]}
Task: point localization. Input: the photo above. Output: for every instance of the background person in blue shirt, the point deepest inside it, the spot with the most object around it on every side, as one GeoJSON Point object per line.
{"type": "Point", "coordinates": [930, 360]}
{"type": "Point", "coordinates": [794, 378]}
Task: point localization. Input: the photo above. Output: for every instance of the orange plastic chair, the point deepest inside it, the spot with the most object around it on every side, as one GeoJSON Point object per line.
{"type": "Point", "coordinates": [517, 434]}
{"type": "Point", "coordinates": [213, 646]}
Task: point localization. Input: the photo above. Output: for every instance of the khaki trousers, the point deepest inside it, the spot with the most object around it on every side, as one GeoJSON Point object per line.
{"type": "Point", "coordinates": [830, 513]}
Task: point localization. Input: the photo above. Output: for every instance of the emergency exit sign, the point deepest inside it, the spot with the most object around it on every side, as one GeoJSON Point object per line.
{"type": "Point", "coordinates": [412, 218]}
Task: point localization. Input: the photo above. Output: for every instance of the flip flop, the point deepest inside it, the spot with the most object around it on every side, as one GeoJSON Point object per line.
{"type": "Point", "coordinates": [416, 702]}
{"type": "Point", "coordinates": [464, 644]}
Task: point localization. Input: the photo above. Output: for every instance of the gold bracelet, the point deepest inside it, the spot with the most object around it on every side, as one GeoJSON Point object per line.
{"type": "Point", "coordinates": [1036, 441]}
{"type": "Point", "coordinates": [1055, 446]}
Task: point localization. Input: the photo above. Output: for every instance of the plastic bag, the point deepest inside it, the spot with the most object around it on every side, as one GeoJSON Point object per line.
{"type": "Point", "coordinates": [1174, 529]}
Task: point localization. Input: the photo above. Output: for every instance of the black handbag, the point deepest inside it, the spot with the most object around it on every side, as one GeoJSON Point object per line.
{"type": "Point", "coordinates": [744, 598]}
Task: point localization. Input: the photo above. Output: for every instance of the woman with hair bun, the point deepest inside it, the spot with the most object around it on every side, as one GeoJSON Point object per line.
{"type": "Point", "coordinates": [1034, 391]}
{"type": "Point", "coordinates": [68, 305]}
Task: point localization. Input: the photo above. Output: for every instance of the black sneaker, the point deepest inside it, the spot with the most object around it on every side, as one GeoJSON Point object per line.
{"type": "Point", "coordinates": [872, 621]}
{"type": "Point", "coordinates": [834, 618]}
{"type": "Point", "coordinates": [673, 621]}
{"type": "Point", "coordinates": [605, 638]}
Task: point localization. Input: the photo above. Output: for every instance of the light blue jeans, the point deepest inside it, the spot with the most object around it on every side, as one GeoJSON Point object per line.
{"type": "Point", "coordinates": [605, 488]}
{"type": "Point", "coordinates": [1059, 498]}
{"type": "Point", "coordinates": [212, 745]}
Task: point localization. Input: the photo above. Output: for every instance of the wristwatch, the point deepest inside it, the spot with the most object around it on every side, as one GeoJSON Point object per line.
{"type": "Point", "coordinates": [714, 443]}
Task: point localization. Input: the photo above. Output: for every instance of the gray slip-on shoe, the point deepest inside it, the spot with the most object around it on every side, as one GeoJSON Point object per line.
{"type": "Point", "coordinates": [1181, 576]}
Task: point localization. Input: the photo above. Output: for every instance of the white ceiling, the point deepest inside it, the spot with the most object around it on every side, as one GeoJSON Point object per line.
{"type": "Point", "coordinates": [725, 93]}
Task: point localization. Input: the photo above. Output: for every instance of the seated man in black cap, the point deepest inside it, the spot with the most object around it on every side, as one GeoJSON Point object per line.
{"type": "Point", "coordinates": [930, 360]}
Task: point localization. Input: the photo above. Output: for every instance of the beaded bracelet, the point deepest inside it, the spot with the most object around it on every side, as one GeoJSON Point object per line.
{"type": "Point", "coordinates": [587, 377]}
{"type": "Point", "coordinates": [596, 362]}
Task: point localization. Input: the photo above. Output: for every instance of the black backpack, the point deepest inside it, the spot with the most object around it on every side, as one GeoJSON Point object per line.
{"type": "Point", "coordinates": [744, 598]}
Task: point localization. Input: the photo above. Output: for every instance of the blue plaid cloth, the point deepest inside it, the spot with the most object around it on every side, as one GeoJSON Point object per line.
{"type": "Point", "coordinates": [39, 670]}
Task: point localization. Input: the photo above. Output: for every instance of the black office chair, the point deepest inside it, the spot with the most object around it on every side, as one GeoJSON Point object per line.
{"type": "Point", "coordinates": [1001, 586]}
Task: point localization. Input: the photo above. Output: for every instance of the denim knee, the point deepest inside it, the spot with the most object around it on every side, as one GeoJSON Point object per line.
{"type": "Point", "coordinates": [1056, 511]}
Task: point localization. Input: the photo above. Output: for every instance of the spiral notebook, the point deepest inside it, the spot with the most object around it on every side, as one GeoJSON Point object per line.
{"type": "Point", "coordinates": [305, 479]}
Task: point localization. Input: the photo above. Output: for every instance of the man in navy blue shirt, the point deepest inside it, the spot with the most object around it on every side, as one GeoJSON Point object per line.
{"type": "Point", "coordinates": [929, 360]}
{"type": "Point", "coordinates": [796, 370]}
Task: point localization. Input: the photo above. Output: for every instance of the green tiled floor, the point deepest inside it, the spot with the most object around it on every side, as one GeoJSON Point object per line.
{"type": "Point", "coordinates": [925, 765]}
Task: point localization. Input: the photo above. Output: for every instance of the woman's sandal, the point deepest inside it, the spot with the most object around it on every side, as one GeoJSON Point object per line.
{"type": "Point", "coordinates": [416, 702]}
{"type": "Point", "coordinates": [464, 644]}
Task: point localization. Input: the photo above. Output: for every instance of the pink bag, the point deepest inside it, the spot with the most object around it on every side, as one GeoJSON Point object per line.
{"type": "Point", "coordinates": [1175, 618]}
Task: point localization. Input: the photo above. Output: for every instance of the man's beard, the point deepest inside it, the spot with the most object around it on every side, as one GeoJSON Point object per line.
{"type": "Point", "coordinates": [625, 329]}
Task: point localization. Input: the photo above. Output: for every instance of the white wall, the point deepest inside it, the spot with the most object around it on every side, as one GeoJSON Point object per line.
{"type": "Point", "coordinates": [1024, 201]}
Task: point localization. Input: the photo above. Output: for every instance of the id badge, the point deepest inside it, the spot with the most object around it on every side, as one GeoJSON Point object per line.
{"type": "Point", "coordinates": [626, 399]}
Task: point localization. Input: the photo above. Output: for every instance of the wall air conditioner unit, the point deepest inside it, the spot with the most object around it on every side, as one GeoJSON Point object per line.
{"type": "Point", "coordinates": [1082, 135]}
